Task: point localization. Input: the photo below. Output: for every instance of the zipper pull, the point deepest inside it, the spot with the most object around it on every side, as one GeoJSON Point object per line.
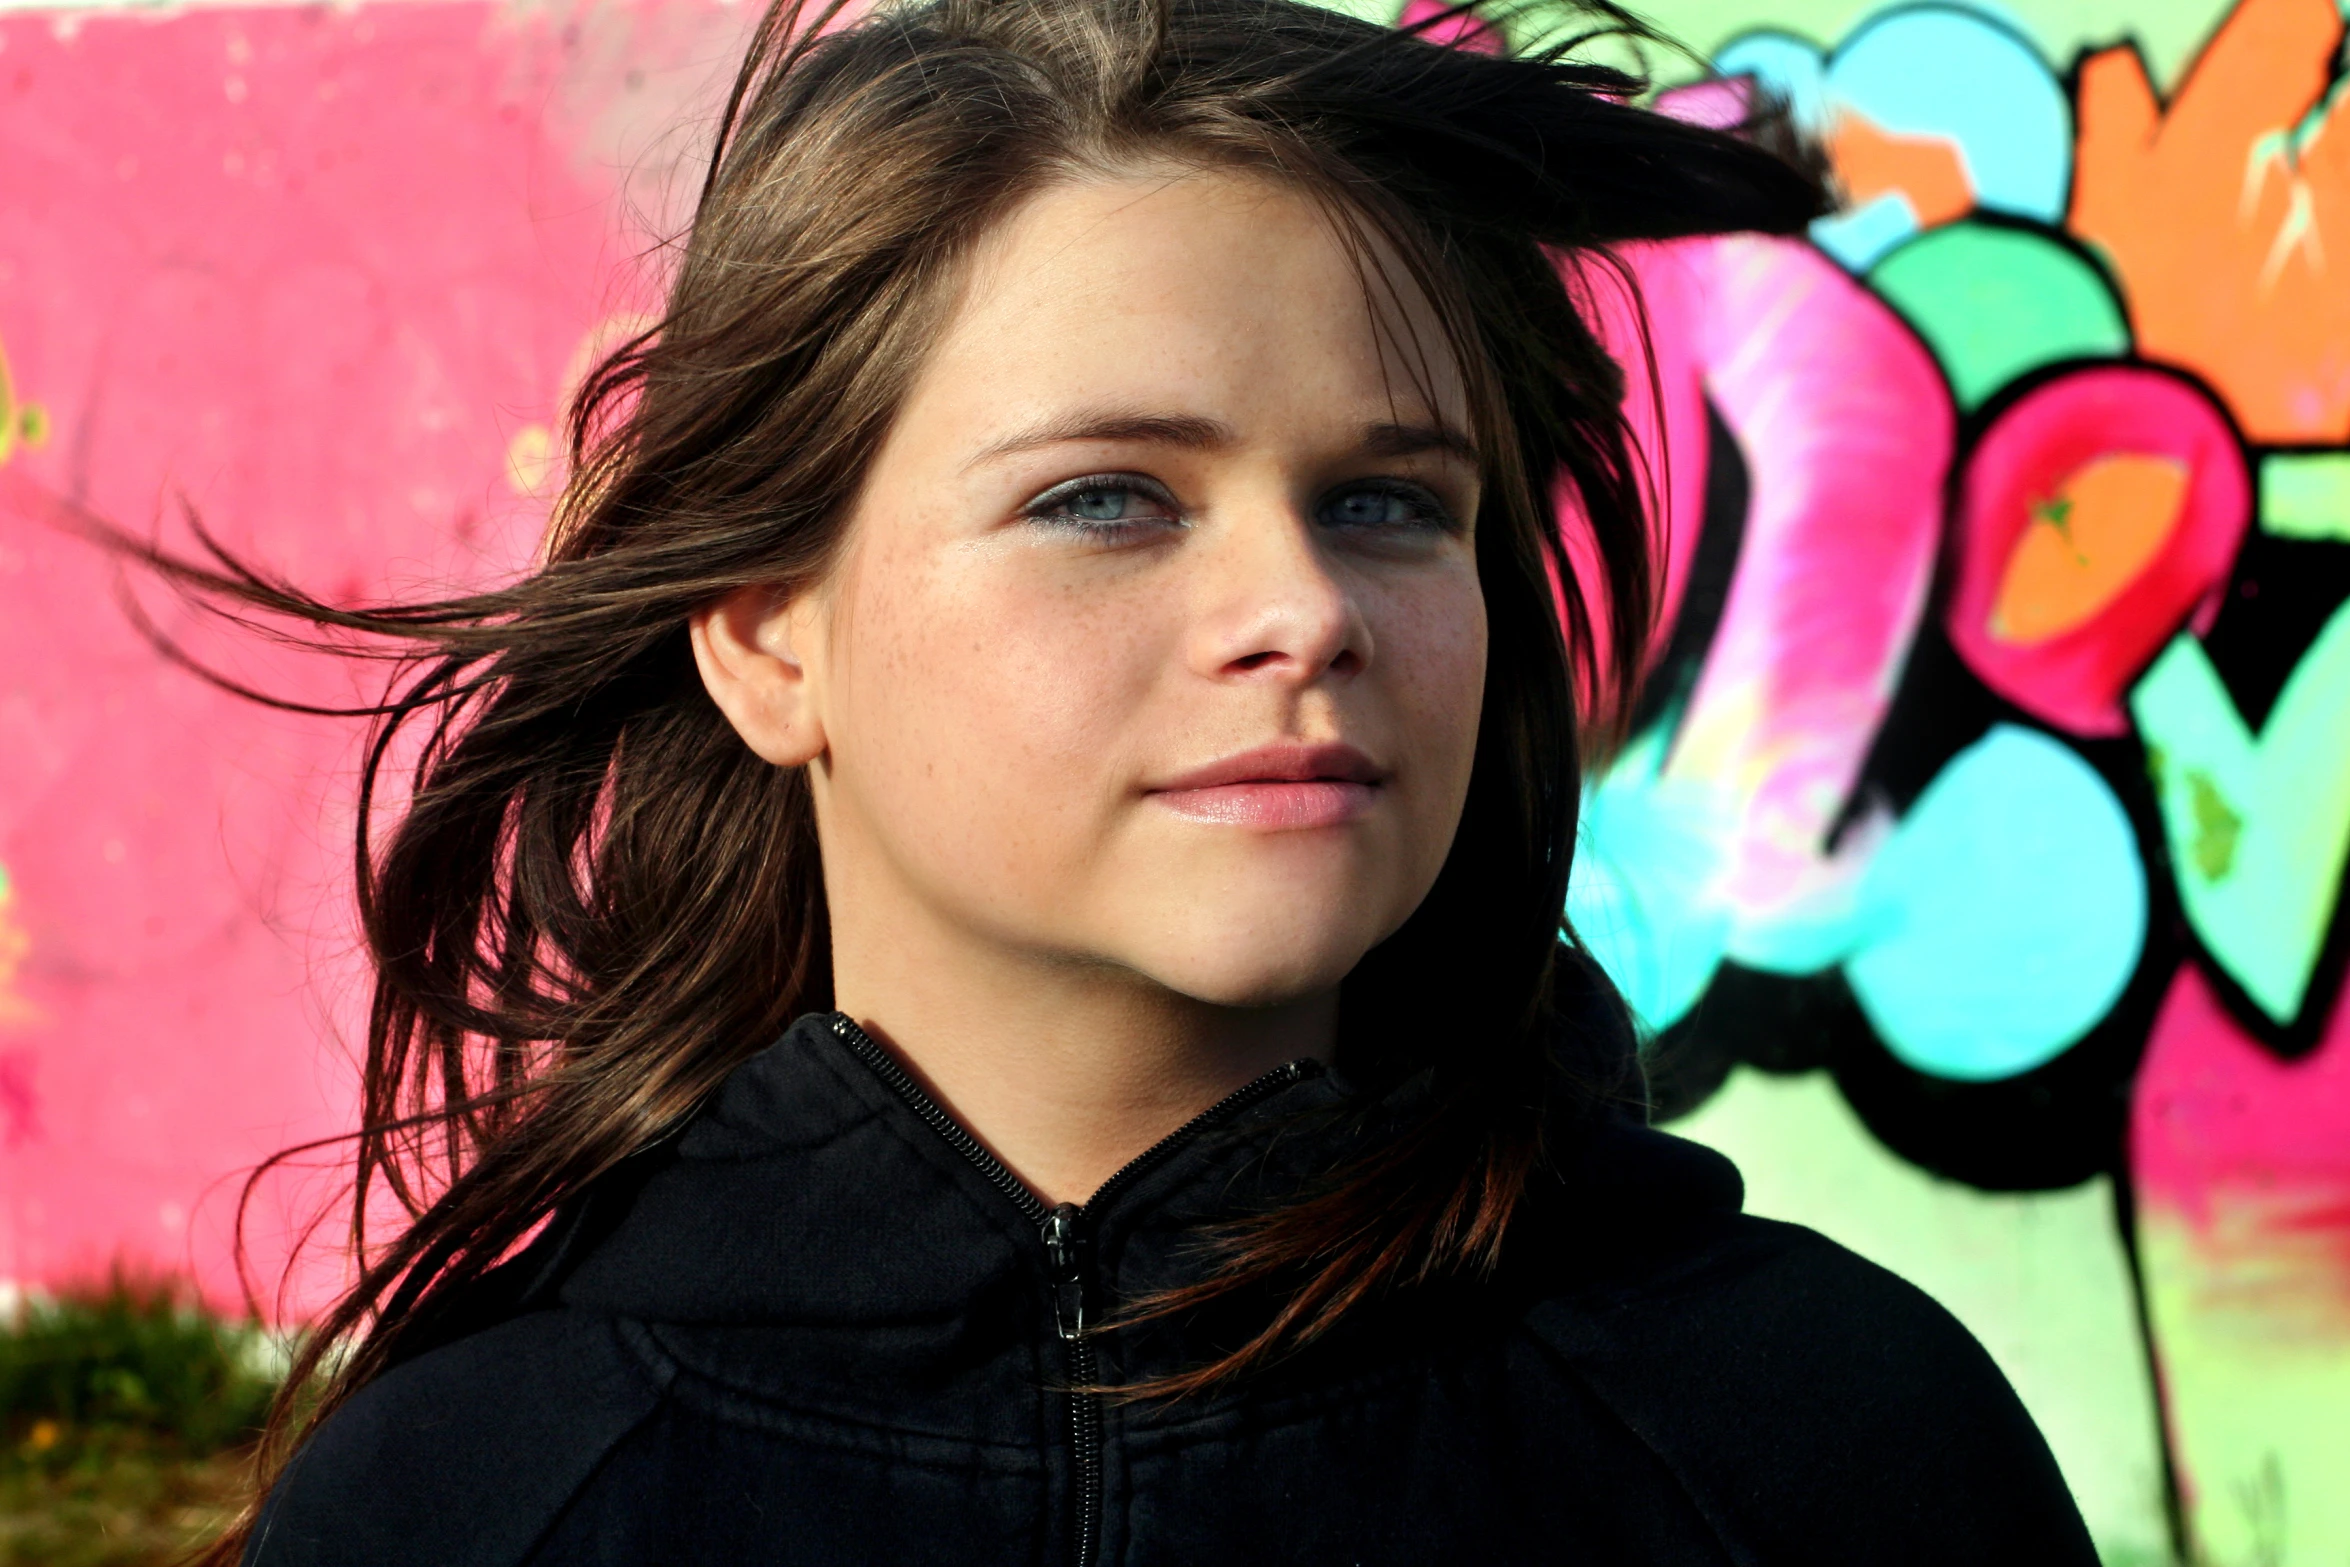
{"type": "Point", "coordinates": [1064, 1247]}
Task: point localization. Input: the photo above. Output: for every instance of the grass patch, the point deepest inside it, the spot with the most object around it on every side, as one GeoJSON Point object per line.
{"type": "Point", "coordinates": [134, 1510]}
{"type": "Point", "coordinates": [124, 1413]}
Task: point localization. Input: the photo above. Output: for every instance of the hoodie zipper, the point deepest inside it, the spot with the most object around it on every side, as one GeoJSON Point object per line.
{"type": "Point", "coordinates": [1067, 1231]}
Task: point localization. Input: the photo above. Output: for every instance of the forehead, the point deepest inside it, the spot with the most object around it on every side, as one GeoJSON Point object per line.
{"type": "Point", "coordinates": [1174, 291]}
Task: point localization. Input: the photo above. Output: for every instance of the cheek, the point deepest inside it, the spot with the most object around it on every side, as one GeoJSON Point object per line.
{"type": "Point", "coordinates": [986, 710]}
{"type": "Point", "coordinates": [1435, 645]}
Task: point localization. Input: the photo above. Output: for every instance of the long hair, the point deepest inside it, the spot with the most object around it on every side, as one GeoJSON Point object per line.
{"type": "Point", "coordinates": [592, 901]}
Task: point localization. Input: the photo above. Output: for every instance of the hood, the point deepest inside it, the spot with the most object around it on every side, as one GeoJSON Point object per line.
{"type": "Point", "coordinates": [814, 1245]}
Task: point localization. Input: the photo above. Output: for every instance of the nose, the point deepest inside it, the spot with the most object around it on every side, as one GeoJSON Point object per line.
{"type": "Point", "coordinates": [1274, 611]}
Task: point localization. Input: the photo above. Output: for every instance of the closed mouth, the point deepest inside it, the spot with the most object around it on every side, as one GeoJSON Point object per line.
{"type": "Point", "coordinates": [1276, 787]}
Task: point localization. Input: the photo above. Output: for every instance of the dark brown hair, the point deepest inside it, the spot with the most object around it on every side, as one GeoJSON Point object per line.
{"type": "Point", "coordinates": [594, 902]}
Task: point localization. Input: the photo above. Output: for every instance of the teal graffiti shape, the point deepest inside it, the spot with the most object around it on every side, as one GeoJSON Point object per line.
{"type": "Point", "coordinates": [1641, 899]}
{"type": "Point", "coordinates": [1995, 302]}
{"type": "Point", "coordinates": [2258, 825]}
{"type": "Point", "coordinates": [2005, 916]}
{"type": "Point", "coordinates": [1939, 71]}
{"type": "Point", "coordinates": [2306, 495]}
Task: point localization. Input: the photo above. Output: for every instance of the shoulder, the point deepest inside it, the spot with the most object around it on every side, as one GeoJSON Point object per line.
{"type": "Point", "coordinates": [461, 1456]}
{"type": "Point", "coordinates": [1769, 1311]}
{"type": "Point", "coordinates": [1815, 1406]}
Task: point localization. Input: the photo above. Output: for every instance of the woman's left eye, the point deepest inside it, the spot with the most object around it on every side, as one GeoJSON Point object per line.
{"type": "Point", "coordinates": [1387, 505]}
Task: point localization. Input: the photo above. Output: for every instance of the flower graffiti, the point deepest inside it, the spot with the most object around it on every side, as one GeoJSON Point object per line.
{"type": "Point", "coordinates": [2066, 904]}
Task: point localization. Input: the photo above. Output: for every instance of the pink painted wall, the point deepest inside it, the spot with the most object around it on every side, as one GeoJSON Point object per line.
{"type": "Point", "coordinates": [321, 275]}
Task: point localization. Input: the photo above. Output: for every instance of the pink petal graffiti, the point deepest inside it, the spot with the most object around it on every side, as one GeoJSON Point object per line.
{"type": "Point", "coordinates": [2243, 1221]}
{"type": "Point", "coordinates": [2095, 514]}
{"type": "Point", "coordinates": [1846, 431]}
{"type": "Point", "coordinates": [1443, 23]}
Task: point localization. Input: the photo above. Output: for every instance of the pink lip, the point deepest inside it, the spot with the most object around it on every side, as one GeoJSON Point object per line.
{"type": "Point", "coordinates": [1276, 787]}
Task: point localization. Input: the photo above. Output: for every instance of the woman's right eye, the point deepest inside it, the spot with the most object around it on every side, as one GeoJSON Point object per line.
{"type": "Point", "coordinates": [1104, 503]}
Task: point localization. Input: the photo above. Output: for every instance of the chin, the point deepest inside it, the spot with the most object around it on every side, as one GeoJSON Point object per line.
{"type": "Point", "coordinates": [1264, 972]}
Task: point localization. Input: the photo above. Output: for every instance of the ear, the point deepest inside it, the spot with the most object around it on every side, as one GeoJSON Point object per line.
{"type": "Point", "coordinates": [743, 645]}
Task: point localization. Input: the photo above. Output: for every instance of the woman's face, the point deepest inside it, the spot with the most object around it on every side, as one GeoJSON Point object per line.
{"type": "Point", "coordinates": [1156, 644]}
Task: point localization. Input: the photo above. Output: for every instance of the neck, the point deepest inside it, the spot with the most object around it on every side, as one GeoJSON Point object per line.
{"type": "Point", "coordinates": [1064, 1071]}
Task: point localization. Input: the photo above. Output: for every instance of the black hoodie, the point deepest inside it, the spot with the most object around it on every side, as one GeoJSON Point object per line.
{"type": "Point", "coordinates": [823, 1327]}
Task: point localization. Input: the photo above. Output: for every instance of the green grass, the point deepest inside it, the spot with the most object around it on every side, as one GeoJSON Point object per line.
{"type": "Point", "coordinates": [124, 1410]}
{"type": "Point", "coordinates": [131, 1511]}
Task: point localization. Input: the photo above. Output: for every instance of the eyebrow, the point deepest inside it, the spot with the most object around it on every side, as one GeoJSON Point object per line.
{"type": "Point", "coordinates": [1198, 434]}
{"type": "Point", "coordinates": [1183, 430]}
{"type": "Point", "coordinates": [1410, 440]}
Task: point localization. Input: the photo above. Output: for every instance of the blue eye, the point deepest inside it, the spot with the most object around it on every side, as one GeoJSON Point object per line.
{"type": "Point", "coordinates": [1104, 501]}
{"type": "Point", "coordinates": [1384, 505]}
{"type": "Point", "coordinates": [1100, 505]}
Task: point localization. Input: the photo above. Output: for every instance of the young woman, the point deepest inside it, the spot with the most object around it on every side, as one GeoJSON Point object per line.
{"type": "Point", "coordinates": [972, 973]}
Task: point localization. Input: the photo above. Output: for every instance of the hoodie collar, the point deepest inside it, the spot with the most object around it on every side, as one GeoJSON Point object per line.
{"type": "Point", "coordinates": [819, 1186]}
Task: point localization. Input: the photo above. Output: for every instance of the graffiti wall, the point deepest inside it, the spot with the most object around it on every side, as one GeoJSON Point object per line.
{"type": "Point", "coordinates": [1977, 862]}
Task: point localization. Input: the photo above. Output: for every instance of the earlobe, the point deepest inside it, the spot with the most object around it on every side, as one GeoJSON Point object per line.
{"type": "Point", "coordinates": [743, 646]}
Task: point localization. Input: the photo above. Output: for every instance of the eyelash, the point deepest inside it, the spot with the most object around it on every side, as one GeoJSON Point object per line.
{"type": "Point", "coordinates": [1432, 514]}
